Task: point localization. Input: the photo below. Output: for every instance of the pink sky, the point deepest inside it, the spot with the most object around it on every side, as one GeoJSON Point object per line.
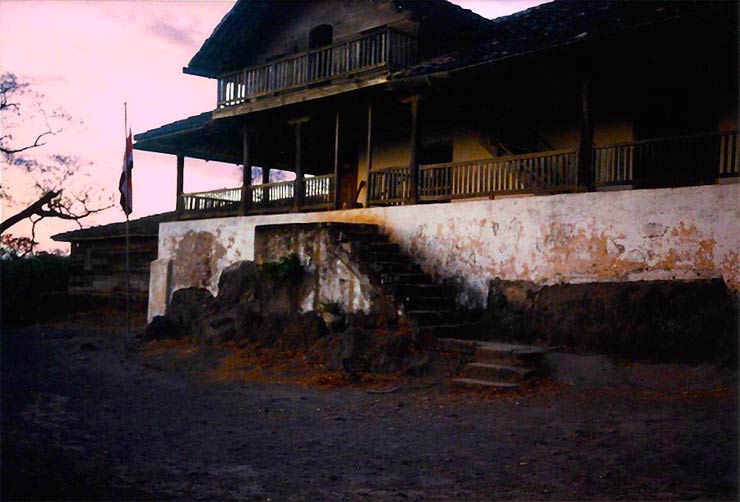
{"type": "Point", "coordinates": [90, 57]}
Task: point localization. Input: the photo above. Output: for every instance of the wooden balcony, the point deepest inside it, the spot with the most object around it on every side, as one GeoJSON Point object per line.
{"type": "Point", "coordinates": [662, 162]}
{"type": "Point", "coordinates": [279, 197]}
{"type": "Point", "coordinates": [384, 49]}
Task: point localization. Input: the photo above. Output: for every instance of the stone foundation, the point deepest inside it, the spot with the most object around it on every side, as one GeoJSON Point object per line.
{"type": "Point", "coordinates": [660, 234]}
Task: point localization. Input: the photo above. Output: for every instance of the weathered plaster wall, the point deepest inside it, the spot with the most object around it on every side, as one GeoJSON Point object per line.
{"type": "Point", "coordinates": [335, 277]}
{"type": "Point", "coordinates": [676, 233]}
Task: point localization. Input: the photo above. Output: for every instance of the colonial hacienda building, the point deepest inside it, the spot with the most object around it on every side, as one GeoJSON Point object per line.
{"type": "Point", "coordinates": [575, 141]}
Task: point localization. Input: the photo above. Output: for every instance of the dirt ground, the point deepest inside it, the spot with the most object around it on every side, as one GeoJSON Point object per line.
{"type": "Point", "coordinates": [82, 418]}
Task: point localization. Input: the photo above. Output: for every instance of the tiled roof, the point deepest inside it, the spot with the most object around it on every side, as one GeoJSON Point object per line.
{"type": "Point", "coordinates": [559, 23]}
{"type": "Point", "coordinates": [232, 37]}
{"type": "Point", "coordinates": [190, 123]}
{"type": "Point", "coordinates": [141, 227]}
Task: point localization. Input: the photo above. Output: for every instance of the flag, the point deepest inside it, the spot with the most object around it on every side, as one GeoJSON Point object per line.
{"type": "Point", "coordinates": [124, 185]}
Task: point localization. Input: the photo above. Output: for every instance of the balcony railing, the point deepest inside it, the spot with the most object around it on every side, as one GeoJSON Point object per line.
{"type": "Point", "coordinates": [385, 48]}
{"type": "Point", "coordinates": [277, 197]}
{"type": "Point", "coordinates": [682, 160]}
{"type": "Point", "coordinates": [225, 199]}
{"type": "Point", "coordinates": [661, 162]}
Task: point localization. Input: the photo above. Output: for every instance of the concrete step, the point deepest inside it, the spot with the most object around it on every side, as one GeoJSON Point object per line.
{"type": "Point", "coordinates": [401, 281]}
{"type": "Point", "coordinates": [392, 256]}
{"type": "Point", "coordinates": [484, 384]}
{"type": "Point", "coordinates": [429, 303]}
{"type": "Point", "coordinates": [431, 317]}
{"type": "Point", "coordinates": [390, 267]}
{"type": "Point", "coordinates": [355, 228]}
{"type": "Point", "coordinates": [365, 239]}
{"type": "Point", "coordinates": [379, 247]}
{"type": "Point", "coordinates": [443, 330]}
{"type": "Point", "coordinates": [504, 353]}
{"type": "Point", "coordinates": [496, 372]}
{"type": "Point", "coordinates": [444, 344]}
{"type": "Point", "coordinates": [407, 291]}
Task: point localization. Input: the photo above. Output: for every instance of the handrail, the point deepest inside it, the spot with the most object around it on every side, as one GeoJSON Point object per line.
{"type": "Point", "coordinates": [505, 158]}
{"type": "Point", "coordinates": [668, 161]}
{"type": "Point", "coordinates": [229, 193]}
{"type": "Point", "coordinates": [669, 138]}
{"type": "Point", "coordinates": [377, 48]}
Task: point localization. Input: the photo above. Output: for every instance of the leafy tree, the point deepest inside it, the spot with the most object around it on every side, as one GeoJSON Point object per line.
{"type": "Point", "coordinates": [57, 188]}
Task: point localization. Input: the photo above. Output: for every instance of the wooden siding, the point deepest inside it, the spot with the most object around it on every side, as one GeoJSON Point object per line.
{"type": "Point", "coordinates": [97, 266]}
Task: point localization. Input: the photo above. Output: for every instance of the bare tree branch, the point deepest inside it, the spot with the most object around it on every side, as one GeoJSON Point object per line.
{"type": "Point", "coordinates": [53, 175]}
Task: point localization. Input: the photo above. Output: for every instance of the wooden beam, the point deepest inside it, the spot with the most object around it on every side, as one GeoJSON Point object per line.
{"type": "Point", "coordinates": [179, 203]}
{"type": "Point", "coordinates": [267, 103]}
{"type": "Point", "coordinates": [414, 147]}
{"type": "Point", "coordinates": [337, 167]}
{"type": "Point", "coordinates": [298, 186]}
{"type": "Point", "coordinates": [586, 147]}
{"type": "Point", "coordinates": [369, 158]}
{"type": "Point", "coordinates": [246, 172]}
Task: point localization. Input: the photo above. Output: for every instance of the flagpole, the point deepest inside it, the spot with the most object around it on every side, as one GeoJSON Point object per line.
{"type": "Point", "coordinates": [128, 270]}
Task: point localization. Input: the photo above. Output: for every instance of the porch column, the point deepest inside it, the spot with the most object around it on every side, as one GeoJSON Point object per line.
{"type": "Point", "coordinates": [586, 147]}
{"type": "Point", "coordinates": [414, 147]}
{"type": "Point", "coordinates": [337, 167]}
{"type": "Point", "coordinates": [179, 202]}
{"type": "Point", "coordinates": [298, 187]}
{"type": "Point", "coordinates": [246, 195]}
{"type": "Point", "coordinates": [265, 181]}
{"type": "Point", "coordinates": [369, 158]}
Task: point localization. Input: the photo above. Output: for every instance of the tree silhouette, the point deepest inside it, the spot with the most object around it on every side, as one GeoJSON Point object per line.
{"type": "Point", "coordinates": [57, 190]}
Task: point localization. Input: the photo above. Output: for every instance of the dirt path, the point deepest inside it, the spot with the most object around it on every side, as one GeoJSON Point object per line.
{"type": "Point", "coordinates": [79, 421]}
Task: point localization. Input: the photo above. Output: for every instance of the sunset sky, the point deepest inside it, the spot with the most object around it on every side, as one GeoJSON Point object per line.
{"type": "Point", "coordinates": [89, 58]}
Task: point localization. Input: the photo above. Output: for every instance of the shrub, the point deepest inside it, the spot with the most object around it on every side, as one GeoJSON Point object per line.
{"type": "Point", "coordinates": [288, 269]}
{"type": "Point", "coordinates": [27, 285]}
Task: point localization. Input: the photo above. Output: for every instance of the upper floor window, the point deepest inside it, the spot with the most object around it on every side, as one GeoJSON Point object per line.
{"type": "Point", "coordinates": [320, 36]}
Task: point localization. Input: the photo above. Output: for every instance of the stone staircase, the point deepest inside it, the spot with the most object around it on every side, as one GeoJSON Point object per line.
{"type": "Point", "coordinates": [495, 365]}
{"type": "Point", "coordinates": [428, 305]}
{"type": "Point", "coordinates": [431, 307]}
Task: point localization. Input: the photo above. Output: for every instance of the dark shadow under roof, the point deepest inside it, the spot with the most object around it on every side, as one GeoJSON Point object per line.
{"type": "Point", "coordinates": [148, 226]}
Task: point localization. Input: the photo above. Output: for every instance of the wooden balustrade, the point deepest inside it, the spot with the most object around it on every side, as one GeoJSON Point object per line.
{"type": "Point", "coordinates": [537, 172]}
{"type": "Point", "coordinates": [320, 192]}
{"type": "Point", "coordinates": [224, 199]}
{"type": "Point", "coordinates": [389, 186]}
{"type": "Point", "coordinates": [674, 161]}
{"type": "Point", "coordinates": [382, 48]}
{"type": "Point", "coordinates": [274, 197]}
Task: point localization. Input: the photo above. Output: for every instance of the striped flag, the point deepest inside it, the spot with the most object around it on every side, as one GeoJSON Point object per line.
{"type": "Point", "coordinates": [124, 185]}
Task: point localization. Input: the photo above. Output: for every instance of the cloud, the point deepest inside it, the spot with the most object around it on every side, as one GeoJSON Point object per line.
{"type": "Point", "coordinates": [171, 33]}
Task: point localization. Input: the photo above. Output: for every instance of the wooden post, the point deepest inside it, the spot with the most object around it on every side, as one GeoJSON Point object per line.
{"type": "Point", "coordinates": [180, 202]}
{"type": "Point", "coordinates": [265, 190]}
{"type": "Point", "coordinates": [369, 158]}
{"type": "Point", "coordinates": [337, 167]}
{"type": "Point", "coordinates": [586, 147]}
{"type": "Point", "coordinates": [414, 147]}
{"type": "Point", "coordinates": [246, 195]}
{"type": "Point", "coordinates": [298, 186]}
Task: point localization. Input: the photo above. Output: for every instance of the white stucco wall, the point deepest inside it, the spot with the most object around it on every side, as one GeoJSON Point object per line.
{"type": "Point", "coordinates": [679, 233]}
